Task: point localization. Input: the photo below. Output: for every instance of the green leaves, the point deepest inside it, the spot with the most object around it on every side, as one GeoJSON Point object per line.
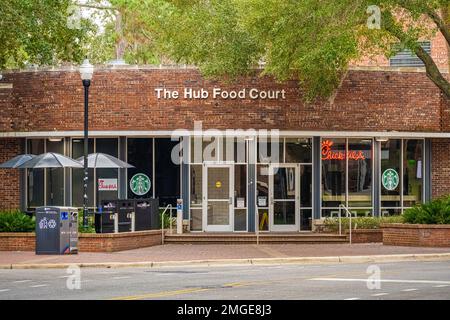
{"type": "Point", "coordinates": [16, 221]}
{"type": "Point", "coordinates": [433, 212]}
{"type": "Point", "coordinates": [37, 32]}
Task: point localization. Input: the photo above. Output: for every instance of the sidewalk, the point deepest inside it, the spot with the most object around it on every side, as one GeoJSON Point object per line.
{"type": "Point", "coordinates": [208, 252]}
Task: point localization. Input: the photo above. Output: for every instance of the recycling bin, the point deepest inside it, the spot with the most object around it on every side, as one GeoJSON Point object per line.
{"type": "Point", "coordinates": [56, 230]}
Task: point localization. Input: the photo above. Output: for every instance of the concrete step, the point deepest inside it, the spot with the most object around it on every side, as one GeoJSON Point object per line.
{"type": "Point", "coordinates": [233, 238]}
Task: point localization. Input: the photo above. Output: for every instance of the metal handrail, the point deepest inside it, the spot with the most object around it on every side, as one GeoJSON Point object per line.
{"type": "Point", "coordinates": [348, 214]}
{"type": "Point", "coordinates": [162, 221]}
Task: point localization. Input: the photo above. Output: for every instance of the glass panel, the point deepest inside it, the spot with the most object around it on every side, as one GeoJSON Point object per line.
{"type": "Point", "coordinates": [196, 185]}
{"type": "Point", "coordinates": [218, 183]}
{"type": "Point", "coordinates": [233, 150]}
{"type": "Point", "coordinates": [263, 219]}
{"type": "Point", "coordinates": [107, 146]}
{"type": "Point", "coordinates": [35, 176]}
{"type": "Point", "coordinates": [140, 155]}
{"type": "Point", "coordinates": [333, 172]}
{"type": "Point", "coordinates": [270, 151]}
{"type": "Point", "coordinates": [240, 186]}
{"type": "Point", "coordinates": [306, 220]}
{"type": "Point", "coordinates": [333, 213]}
{"type": "Point", "coordinates": [359, 173]}
{"type": "Point", "coordinates": [77, 174]}
{"type": "Point", "coordinates": [361, 212]}
{"type": "Point", "coordinates": [196, 219]}
{"type": "Point", "coordinates": [284, 183]}
{"type": "Point", "coordinates": [306, 186]}
{"type": "Point", "coordinates": [299, 150]}
{"type": "Point", "coordinates": [412, 172]}
{"type": "Point", "coordinates": [262, 186]}
{"type": "Point", "coordinates": [167, 173]}
{"type": "Point", "coordinates": [210, 148]}
{"type": "Point", "coordinates": [386, 212]}
{"type": "Point", "coordinates": [240, 220]}
{"type": "Point", "coordinates": [283, 212]}
{"type": "Point", "coordinates": [390, 159]}
{"type": "Point", "coordinates": [55, 177]}
{"type": "Point", "coordinates": [218, 213]}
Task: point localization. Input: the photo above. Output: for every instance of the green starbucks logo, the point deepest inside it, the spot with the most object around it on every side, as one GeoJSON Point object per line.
{"type": "Point", "coordinates": [140, 184]}
{"type": "Point", "coordinates": [390, 179]}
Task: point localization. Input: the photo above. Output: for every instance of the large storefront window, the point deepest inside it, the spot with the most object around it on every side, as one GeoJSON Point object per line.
{"type": "Point", "coordinates": [35, 177]}
{"type": "Point", "coordinates": [95, 196]}
{"type": "Point", "coordinates": [55, 176]}
{"type": "Point", "coordinates": [140, 155]}
{"type": "Point", "coordinates": [333, 174]}
{"type": "Point", "coordinates": [346, 175]}
{"type": "Point", "coordinates": [108, 146]}
{"type": "Point", "coordinates": [45, 186]}
{"type": "Point", "coordinates": [167, 173]}
{"type": "Point", "coordinates": [284, 184]}
{"type": "Point", "coordinates": [153, 157]}
{"type": "Point", "coordinates": [78, 175]}
{"type": "Point", "coordinates": [402, 174]}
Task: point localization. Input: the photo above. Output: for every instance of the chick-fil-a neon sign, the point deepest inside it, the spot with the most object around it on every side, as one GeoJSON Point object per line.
{"type": "Point", "coordinates": [328, 154]}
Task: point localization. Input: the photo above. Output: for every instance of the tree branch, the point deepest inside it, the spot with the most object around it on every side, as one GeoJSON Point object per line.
{"type": "Point", "coordinates": [440, 24]}
{"type": "Point", "coordinates": [433, 72]}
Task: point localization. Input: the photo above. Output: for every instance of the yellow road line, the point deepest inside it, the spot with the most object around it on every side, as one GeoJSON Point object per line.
{"type": "Point", "coordinates": [160, 294]}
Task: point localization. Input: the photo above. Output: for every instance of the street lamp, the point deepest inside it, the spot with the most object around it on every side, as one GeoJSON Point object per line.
{"type": "Point", "coordinates": [86, 72]}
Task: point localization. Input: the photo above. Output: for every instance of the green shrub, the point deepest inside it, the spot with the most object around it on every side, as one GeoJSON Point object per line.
{"type": "Point", "coordinates": [433, 212]}
{"type": "Point", "coordinates": [332, 224]}
{"type": "Point", "coordinates": [16, 221]}
{"type": "Point", "coordinates": [91, 223]}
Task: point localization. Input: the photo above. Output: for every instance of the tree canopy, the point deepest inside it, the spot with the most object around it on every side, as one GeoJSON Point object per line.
{"type": "Point", "coordinates": [309, 40]}
{"type": "Point", "coordinates": [39, 32]}
{"type": "Point", "coordinates": [313, 41]}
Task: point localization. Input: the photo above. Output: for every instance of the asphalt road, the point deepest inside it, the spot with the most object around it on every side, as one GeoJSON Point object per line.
{"type": "Point", "coordinates": [401, 280]}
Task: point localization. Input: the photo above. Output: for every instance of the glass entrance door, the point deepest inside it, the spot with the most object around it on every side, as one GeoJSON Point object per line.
{"type": "Point", "coordinates": [284, 197]}
{"type": "Point", "coordinates": [218, 198]}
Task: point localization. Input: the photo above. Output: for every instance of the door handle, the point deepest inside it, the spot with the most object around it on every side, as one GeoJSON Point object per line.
{"type": "Point", "coordinates": [231, 200]}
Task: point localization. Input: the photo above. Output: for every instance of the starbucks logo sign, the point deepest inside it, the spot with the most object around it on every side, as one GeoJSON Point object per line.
{"type": "Point", "coordinates": [390, 179]}
{"type": "Point", "coordinates": [140, 184]}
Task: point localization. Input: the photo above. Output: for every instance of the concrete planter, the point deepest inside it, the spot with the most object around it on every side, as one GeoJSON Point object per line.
{"type": "Point", "coordinates": [416, 235]}
{"type": "Point", "coordinates": [87, 242]}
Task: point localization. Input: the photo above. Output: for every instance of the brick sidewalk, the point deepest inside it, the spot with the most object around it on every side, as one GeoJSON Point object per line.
{"type": "Point", "coordinates": [182, 252]}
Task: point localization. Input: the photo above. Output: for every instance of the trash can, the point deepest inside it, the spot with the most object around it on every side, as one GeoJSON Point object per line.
{"type": "Point", "coordinates": [125, 210]}
{"type": "Point", "coordinates": [56, 230]}
{"type": "Point", "coordinates": [147, 214]}
{"type": "Point", "coordinates": [104, 219]}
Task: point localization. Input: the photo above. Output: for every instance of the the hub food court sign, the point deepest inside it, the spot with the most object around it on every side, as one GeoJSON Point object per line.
{"type": "Point", "coordinates": [219, 93]}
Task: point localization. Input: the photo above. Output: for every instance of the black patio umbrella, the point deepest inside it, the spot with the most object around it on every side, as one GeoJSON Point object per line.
{"type": "Point", "coordinates": [17, 161]}
{"type": "Point", "coordinates": [50, 160]}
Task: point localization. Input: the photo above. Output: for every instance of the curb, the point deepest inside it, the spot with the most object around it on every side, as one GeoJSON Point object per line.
{"type": "Point", "coordinates": [239, 262]}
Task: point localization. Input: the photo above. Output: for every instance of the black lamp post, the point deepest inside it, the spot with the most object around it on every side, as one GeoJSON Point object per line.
{"type": "Point", "coordinates": [86, 72]}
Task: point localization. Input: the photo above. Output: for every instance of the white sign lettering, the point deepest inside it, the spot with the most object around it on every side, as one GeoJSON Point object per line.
{"type": "Point", "coordinates": [219, 93]}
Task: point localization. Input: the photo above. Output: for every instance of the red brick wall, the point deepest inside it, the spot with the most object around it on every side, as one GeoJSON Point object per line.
{"type": "Point", "coordinates": [125, 100]}
{"type": "Point", "coordinates": [87, 242]}
{"type": "Point", "coordinates": [416, 235]}
{"type": "Point", "coordinates": [9, 178]}
{"type": "Point", "coordinates": [118, 242]}
{"type": "Point", "coordinates": [440, 167]}
{"type": "Point", "coordinates": [366, 235]}
{"type": "Point", "coordinates": [23, 241]}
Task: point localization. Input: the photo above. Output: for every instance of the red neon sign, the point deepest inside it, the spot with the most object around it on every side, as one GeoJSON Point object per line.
{"type": "Point", "coordinates": [328, 154]}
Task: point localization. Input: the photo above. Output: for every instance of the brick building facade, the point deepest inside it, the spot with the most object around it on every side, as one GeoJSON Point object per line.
{"type": "Point", "coordinates": [377, 120]}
